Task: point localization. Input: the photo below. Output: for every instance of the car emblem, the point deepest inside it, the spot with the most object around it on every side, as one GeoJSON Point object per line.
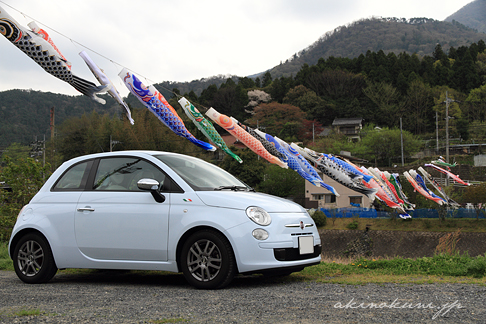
{"type": "Point", "coordinates": [187, 200]}
{"type": "Point", "coordinates": [301, 225]}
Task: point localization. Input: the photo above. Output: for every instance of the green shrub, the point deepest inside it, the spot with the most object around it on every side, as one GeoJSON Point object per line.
{"type": "Point", "coordinates": [5, 261]}
{"type": "Point", "coordinates": [319, 218]}
{"type": "Point", "coordinates": [353, 225]}
{"type": "Point", "coordinates": [25, 177]}
{"type": "Point", "coordinates": [477, 267]}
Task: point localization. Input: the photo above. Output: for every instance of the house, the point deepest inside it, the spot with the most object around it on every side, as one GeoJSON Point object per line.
{"type": "Point", "coordinates": [230, 141]}
{"type": "Point", "coordinates": [350, 127]}
{"type": "Point", "coordinates": [318, 197]}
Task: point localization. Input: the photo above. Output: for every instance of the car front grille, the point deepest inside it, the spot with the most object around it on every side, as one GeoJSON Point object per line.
{"type": "Point", "coordinates": [292, 254]}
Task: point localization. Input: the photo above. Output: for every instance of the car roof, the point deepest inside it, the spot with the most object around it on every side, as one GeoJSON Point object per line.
{"type": "Point", "coordinates": [118, 153]}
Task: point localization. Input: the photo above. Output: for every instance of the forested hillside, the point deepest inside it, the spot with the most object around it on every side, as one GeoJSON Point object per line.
{"type": "Point", "coordinates": [473, 15]}
{"type": "Point", "coordinates": [25, 114]}
{"type": "Point", "coordinates": [381, 88]}
{"type": "Point", "coordinates": [416, 35]}
{"type": "Point", "coordinates": [371, 50]}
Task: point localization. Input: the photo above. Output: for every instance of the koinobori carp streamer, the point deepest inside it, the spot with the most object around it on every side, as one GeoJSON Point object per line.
{"type": "Point", "coordinates": [242, 135]}
{"type": "Point", "coordinates": [206, 127]}
{"type": "Point", "coordinates": [37, 45]}
{"type": "Point", "coordinates": [156, 103]}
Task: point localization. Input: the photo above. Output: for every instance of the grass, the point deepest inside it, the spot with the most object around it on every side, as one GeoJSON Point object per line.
{"type": "Point", "coordinates": [27, 312]}
{"type": "Point", "coordinates": [417, 225]}
{"type": "Point", "coordinates": [447, 265]}
{"type": "Point", "coordinates": [5, 261]}
{"type": "Point", "coordinates": [440, 268]}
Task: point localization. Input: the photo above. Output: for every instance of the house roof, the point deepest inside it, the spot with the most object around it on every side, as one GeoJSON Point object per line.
{"type": "Point", "coordinates": [347, 121]}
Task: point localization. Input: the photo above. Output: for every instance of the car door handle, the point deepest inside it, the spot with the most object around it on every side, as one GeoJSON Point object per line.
{"type": "Point", "coordinates": [87, 208]}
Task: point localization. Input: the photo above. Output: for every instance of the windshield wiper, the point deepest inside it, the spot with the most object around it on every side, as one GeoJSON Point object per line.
{"type": "Point", "coordinates": [235, 188]}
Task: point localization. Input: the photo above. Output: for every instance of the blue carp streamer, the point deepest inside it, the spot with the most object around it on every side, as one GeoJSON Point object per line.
{"type": "Point", "coordinates": [156, 103]}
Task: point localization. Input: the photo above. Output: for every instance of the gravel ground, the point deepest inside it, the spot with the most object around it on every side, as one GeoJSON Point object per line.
{"type": "Point", "coordinates": [122, 297]}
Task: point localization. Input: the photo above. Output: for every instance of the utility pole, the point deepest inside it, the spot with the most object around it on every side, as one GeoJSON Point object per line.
{"type": "Point", "coordinates": [447, 102]}
{"type": "Point", "coordinates": [52, 123]}
{"type": "Point", "coordinates": [401, 139]}
{"type": "Point", "coordinates": [44, 158]}
{"type": "Point", "coordinates": [313, 133]}
{"type": "Point", "coordinates": [437, 132]}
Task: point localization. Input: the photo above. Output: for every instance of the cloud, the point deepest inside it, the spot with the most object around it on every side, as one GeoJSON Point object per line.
{"type": "Point", "coordinates": [188, 39]}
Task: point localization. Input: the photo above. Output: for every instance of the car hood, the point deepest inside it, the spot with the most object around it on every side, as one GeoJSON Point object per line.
{"type": "Point", "coordinates": [244, 199]}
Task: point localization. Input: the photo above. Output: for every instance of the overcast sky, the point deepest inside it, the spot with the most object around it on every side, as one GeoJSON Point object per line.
{"type": "Point", "coordinates": [185, 40]}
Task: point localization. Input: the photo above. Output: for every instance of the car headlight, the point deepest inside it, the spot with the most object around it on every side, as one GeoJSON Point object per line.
{"type": "Point", "coordinates": [259, 215]}
{"type": "Point", "coordinates": [260, 234]}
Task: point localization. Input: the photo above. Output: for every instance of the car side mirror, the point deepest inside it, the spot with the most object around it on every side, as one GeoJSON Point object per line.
{"type": "Point", "coordinates": [152, 186]}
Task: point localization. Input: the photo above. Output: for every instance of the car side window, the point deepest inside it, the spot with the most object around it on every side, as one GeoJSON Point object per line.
{"type": "Point", "coordinates": [123, 173]}
{"type": "Point", "coordinates": [74, 178]}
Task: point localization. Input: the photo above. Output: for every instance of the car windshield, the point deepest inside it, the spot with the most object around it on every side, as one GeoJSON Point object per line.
{"type": "Point", "coordinates": [201, 175]}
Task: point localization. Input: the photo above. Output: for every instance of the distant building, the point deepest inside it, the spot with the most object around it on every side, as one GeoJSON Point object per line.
{"type": "Point", "coordinates": [351, 127]}
{"type": "Point", "coordinates": [230, 141]}
{"type": "Point", "coordinates": [318, 197]}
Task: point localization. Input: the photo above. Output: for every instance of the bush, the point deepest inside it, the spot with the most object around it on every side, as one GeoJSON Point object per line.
{"type": "Point", "coordinates": [25, 177]}
{"type": "Point", "coordinates": [477, 267]}
{"type": "Point", "coordinates": [353, 225]}
{"type": "Point", "coordinates": [319, 218]}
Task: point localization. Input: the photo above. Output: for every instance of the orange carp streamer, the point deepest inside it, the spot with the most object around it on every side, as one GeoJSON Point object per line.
{"type": "Point", "coordinates": [244, 137]}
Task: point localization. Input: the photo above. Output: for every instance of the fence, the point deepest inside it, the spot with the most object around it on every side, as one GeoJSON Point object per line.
{"type": "Point", "coordinates": [418, 213]}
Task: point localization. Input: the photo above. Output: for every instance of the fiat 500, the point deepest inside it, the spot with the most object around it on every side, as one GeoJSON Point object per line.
{"type": "Point", "coordinates": [145, 210]}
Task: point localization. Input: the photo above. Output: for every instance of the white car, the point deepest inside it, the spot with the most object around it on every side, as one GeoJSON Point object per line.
{"type": "Point", "coordinates": [146, 210]}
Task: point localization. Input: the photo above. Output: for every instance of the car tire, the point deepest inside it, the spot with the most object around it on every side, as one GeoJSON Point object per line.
{"type": "Point", "coordinates": [207, 260]}
{"type": "Point", "coordinates": [32, 259]}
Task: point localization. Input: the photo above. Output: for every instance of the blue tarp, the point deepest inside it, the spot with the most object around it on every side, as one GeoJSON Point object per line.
{"type": "Point", "coordinates": [418, 213]}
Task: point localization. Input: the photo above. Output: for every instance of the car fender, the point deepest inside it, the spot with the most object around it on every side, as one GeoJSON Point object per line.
{"type": "Point", "coordinates": [186, 220]}
{"type": "Point", "coordinates": [44, 225]}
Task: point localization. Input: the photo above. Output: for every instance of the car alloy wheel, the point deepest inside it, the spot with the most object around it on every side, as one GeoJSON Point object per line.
{"type": "Point", "coordinates": [207, 260]}
{"type": "Point", "coordinates": [33, 260]}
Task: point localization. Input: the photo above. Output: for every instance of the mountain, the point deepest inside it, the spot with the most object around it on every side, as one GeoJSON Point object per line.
{"type": "Point", "coordinates": [196, 85]}
{"type": "Point", "coordinates": [416, 35]}
{"type": "Point", "coordinates": [25, 114]}
{"type": "Point", "coordinates": [472, 15]}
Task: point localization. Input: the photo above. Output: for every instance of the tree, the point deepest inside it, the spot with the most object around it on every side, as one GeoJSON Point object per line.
{"type": "Point", "coordinates": [280, 87]}
{"type": "Point", "coordinates": [257, 97]}
{"type": "Point", "coordinates": [207, 95]}
{"type": "Point", "coordinates": [246, 82]}
{"type": "Point", "coordinates": [252, 169]}
{"type": "Point", "coordinates": [230, 100]}
{"type": "Point", "coordinates": [258, 83]}
{"type": "Point", "coordinates": [267, 79]}
{"type": "Point", "coordinates": [282, 182]}
{"type": "Point", "coordinates": [439, 53]}
{"type": "Point", "coordinates": [476, 104]}
{"type": "Point", "coordinates": [282, 120]}
{"type": "Point", "coordinates": [481, 66]}
{"type": "Point", "coordinates": [439, 94]}
{"type": "Point", "coordinates": [384, 144]}
{"type": "Point", "coordinates": [16, 152]}
{"type": "Point", "coordinates": [462, 126]}
{"type": "Point", "coordinates": [388, 101]}
{"type": "Point", "coordinates": [476, 195]}
{"type": "Point", "coordinates": [25, 177]}
{"type": "Point", "coordinates": [465, 76]}
{"type": "Point", "coordinates": [418, 106]}
{"type": "Point", "coordinates": [91, 134]}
